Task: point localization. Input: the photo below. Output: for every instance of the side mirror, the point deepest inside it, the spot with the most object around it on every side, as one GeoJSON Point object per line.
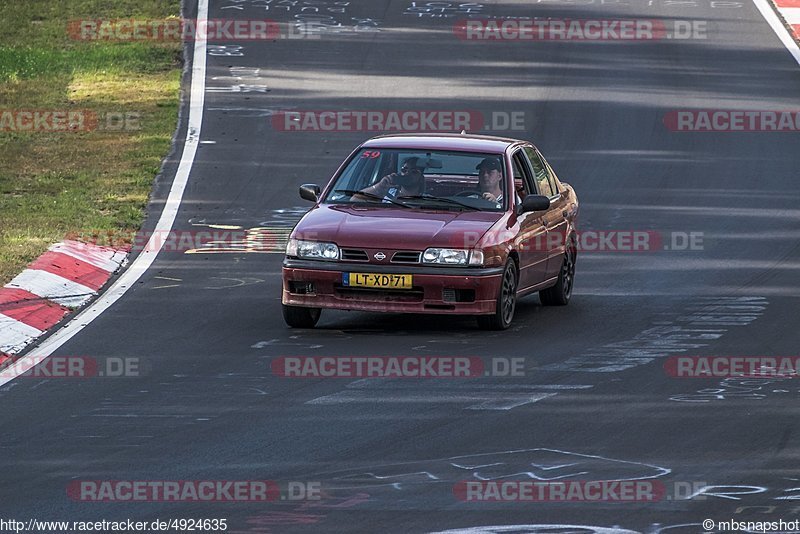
{"type": "Point", "coordinates": [309, 192]}
{"type": "Point", "coordinates": [534, 203]}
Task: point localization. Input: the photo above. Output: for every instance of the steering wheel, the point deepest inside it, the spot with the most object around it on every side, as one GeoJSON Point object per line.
{"type": "Point", "coordinates": [473, 194]}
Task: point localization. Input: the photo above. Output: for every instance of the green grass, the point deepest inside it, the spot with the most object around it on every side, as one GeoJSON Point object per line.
{"type": "Point", "coordinates": [78, 183]}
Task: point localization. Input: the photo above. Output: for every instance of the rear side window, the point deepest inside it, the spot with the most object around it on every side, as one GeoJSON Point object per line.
{"type": "Point", "coordinates": [553, 178]}
{"type": "Point", "coordinates": [544, 182]}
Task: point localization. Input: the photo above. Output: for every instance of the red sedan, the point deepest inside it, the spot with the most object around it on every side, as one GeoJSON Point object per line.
{"type": "Point", "coordinates": [437, 223]}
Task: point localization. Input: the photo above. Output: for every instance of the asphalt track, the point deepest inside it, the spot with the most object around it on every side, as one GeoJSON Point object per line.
{"type": "Point", "coordinates": [595, 402]}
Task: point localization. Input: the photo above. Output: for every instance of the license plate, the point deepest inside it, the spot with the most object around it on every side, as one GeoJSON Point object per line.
{"type": "Point", "coordinates": [382, 281]}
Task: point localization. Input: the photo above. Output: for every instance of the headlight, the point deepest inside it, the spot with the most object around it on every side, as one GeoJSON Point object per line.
{"type": "Point", "coordinates": [312, 250]}
{"type": "Point", "coordinates": [452, 256]}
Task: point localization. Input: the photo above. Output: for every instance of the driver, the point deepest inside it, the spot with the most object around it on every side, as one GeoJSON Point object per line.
{"type": "Point", "coordinates": [409, 182]}
{"type": "Point", "coordinates": [490, 176]}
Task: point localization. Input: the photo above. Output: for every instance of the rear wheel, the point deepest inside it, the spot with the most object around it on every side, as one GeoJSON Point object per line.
{"type": "Point", "coordinates": [559, 294]}
{"type": "Point", "coordinates": [506, 301]}
{"type": "Point", "coordinates": [298, 317]}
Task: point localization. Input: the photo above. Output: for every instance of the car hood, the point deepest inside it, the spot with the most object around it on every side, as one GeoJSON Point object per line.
{"type": "Point", "coordinates": [394, 228]}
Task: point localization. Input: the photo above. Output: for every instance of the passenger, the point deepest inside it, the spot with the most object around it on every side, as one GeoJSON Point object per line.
{"type": "Point", "coordinates": [409, 182]}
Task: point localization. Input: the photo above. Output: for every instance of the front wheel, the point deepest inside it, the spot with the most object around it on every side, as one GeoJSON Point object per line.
{"type": "Point", "coordinates": [506, 301]}
{"type": "Point", "coordinates": [298, 317]}
{"type": "Point", "coordinates": [559, 294]}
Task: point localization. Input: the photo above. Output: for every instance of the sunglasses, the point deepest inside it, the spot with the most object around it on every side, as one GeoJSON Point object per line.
{"type": "Point", "coordinates": [404, 169]}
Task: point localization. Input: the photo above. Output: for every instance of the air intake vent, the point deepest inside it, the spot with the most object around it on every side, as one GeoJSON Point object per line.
{"type": "Point", "coordinates": [301, 288]}
{"type": "Point", "coordinates": [458, 295]}
{"type": "Point", "coordinates": [406, 257]}
{"type": "Point", "coordinates": [353, 254]}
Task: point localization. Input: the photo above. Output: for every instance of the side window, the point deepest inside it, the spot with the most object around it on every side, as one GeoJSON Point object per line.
{"type": "Point", "coordinates": [540, 174]}
{"type": "Point", "coordinates": [553, 178]}
{"type": "Point", "coordinates": [523, 183]}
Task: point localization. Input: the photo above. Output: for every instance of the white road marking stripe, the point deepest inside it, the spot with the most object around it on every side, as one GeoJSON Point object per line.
{"type": "Point", "coordinates": [509, 402]}
{"type": "Point", "coordinates": [777, 26]}
{"type": "Point", "coordinates": [497, 529]}
{"type": "Point", "coordinates": [403, 383]}
{"type": "Point", "coordinates": [173, 203]}
{"type": "Point", "coordinates": [500, 401]}
{"type": "Point", "coordinates": [14, 335]}
{"type": "Point", "coordinates": [99, 258]}
{"type": "Point", "coordinates": [52, 287]}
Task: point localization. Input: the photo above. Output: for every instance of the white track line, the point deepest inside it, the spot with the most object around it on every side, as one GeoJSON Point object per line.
{"type": "Point", "coordinates": [777, 26]}
{"type": "Point", "coordinates": [146, 258]}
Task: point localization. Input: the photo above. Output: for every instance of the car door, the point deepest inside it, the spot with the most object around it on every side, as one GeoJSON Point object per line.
{"type": "Point", "coordinates": [555, 218]}
{"type": "Point", "coordinates": [531, 242]}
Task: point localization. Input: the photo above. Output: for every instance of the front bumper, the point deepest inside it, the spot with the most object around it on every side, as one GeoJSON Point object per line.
{"type": "Point", "coordinates": [451, 290]}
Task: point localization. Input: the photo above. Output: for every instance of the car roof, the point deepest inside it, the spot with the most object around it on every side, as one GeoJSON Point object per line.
{"type": "Point", "coordinates": [443, 141]}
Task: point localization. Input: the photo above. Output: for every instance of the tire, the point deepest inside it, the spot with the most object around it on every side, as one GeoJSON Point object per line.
{"type": "Point", "coordinates": [559, 294]}
{"type": "Point", "coordinates": [298, 317]}
{"type": "Point", "coordinates": [506, 301]}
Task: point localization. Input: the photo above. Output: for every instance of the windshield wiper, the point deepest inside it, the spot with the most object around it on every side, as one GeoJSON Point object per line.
{"type": "Point", "coordinates": [352, 192]}
{"type": "Point", "coordinates": [442, 199]}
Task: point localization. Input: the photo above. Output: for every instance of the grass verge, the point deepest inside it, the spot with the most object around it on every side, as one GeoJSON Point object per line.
{"type": "Point", "coordinates": [95, 180]}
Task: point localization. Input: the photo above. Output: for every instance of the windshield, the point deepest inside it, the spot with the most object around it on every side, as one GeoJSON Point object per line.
{"type": "Point", "coordinates": [428, 179]}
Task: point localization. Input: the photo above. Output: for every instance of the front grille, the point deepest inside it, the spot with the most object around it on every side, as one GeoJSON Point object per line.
{"type": "Point", "coordinates": [406, 256]}
{"type": "Point", "coordinates": [354, 254]}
